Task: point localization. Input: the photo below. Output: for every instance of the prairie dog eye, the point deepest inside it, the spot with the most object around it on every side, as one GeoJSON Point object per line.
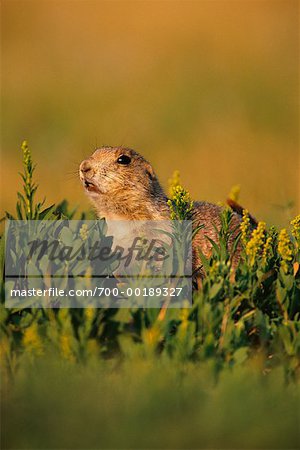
{"type": "Point", "coordinates": [124, 160]}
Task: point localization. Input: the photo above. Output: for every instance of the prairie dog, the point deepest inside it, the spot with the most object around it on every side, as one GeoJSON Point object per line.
{"type": "Point", "coordinates": [122, 185]}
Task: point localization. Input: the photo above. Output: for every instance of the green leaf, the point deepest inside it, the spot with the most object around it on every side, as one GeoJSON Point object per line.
{"type": "Point", "coordinates": [123, 315]}
{"type": "Point", "coordinates": [204, 260]}
{"type": "Point", "coordinates": [214, 245]}
{"type": "Point", "coordinates": [240, 355]}
{"type": "Point", "coordinates": [19, 211]}
{"type": "Point", "coordinates": [46, 213]}
{"type": "Point", "coordinates": [66, 236]}
{"type": "Point", "coordinates": [215, 289]}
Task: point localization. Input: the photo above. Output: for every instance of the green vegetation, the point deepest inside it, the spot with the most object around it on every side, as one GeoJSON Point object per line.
{"type": "Point", "coordinates": [222, 374]}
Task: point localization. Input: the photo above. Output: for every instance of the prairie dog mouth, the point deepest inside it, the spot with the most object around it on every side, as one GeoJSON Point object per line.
{"type": "Point", "coordinates": [90, 186]}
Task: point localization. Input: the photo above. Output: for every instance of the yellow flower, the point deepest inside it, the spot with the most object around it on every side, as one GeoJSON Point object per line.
{"type": "Point", "coordinates": [285, 249]}
{"type": "Point", "coordinates": [267, 250]}
{"type": "Point", "coordinates": [84, 232]}
{"type": "Point", "coordinates": [235, 193]}
{"type": "Point", "coordinates": [152, 337]}
{"type": "Point", "coordinates": [255, 245]}
{"type": "Point", "coordinates": [296, 229]}
{"type": "Point", "coordinates": [88, 277]}
{"type": "Point", "coordinates": [184, 314]}
{"type": "Point", "coordinates": [90, 313]}
{"type": "Point", "coordinates": [181, 204]}
{"type": "Point", "coordinates": [174, 182]}
{"type": "Point", "coordinates": [245, 227]}
{"type": "Point", "coordinates": [28, 174]}
{"type": "Point", "coordinates": [214, 269]}
{"type": "Point", "coordinates": [26, 153]}
{"type": "Point", "coordinates": [31, 340]}
{"type": "Point", "coordinates": [65, 347]}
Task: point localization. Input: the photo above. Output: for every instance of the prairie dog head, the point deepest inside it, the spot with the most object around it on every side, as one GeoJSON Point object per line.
{"type": "Point", "coordinates": [120, 183]}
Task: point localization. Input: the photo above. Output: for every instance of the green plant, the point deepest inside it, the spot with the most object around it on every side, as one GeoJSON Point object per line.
{"type": "Point", "coordinates": [248, 319]}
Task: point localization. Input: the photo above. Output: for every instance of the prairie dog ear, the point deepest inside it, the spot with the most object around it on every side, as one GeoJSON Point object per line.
{"type": "Point", "coordinates": [150, 171]}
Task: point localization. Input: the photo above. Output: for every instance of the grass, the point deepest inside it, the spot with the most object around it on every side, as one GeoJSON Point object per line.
{"type": "Point", "coordinates": [223, 374]}
{"type": "Point", "coordinates": [149, 403]}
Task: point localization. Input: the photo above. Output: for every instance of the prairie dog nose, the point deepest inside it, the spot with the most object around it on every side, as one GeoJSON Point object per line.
{"type": "Point", "coordinates": [85, 166]}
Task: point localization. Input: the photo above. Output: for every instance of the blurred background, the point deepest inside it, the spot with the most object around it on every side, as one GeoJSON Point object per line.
{"type": "Point", "coordinates": [209, 88]}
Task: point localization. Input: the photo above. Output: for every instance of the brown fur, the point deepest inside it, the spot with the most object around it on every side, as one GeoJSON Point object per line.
{"type": "Point", "coordinates": [133, 192]}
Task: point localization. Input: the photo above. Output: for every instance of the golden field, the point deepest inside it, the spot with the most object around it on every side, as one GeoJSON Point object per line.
{"type": "Point", "coordinates": [209, 88]}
